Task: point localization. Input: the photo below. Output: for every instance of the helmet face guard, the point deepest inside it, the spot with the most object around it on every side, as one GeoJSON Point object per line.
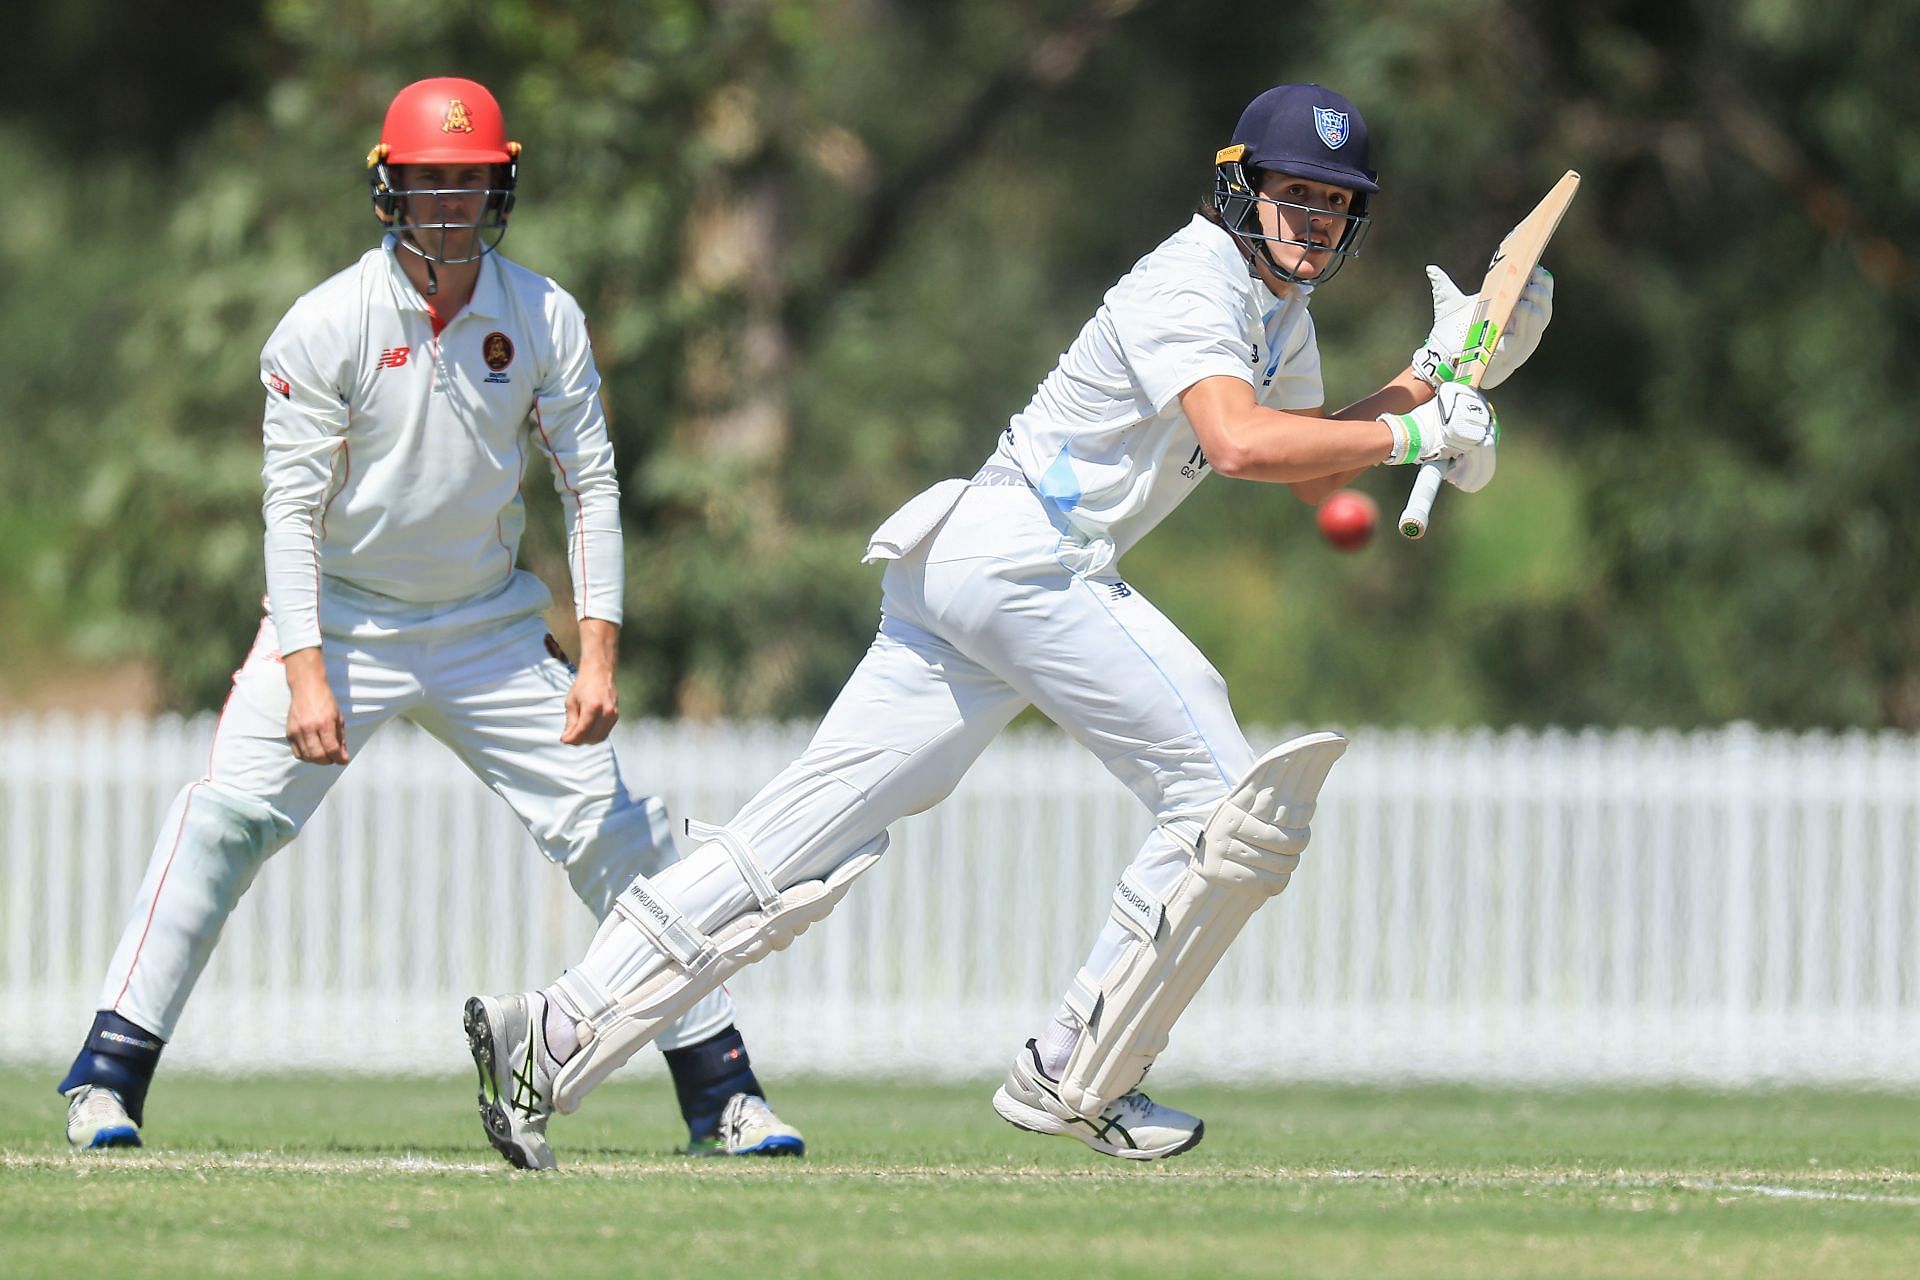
{"type": "Point", "coordinates": [418, 216]}
{"type": "Point", "coordinates": [1237, 199]}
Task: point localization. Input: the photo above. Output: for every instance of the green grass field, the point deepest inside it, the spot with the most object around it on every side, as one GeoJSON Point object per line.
{"type": "Point", "coordinates": [369, 1178]}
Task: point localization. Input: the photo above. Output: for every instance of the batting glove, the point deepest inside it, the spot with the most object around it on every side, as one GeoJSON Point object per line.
{"type": "Point", "coordinates": [1438, 361]}
{"type": "Point", "coordinates": [1455, 422]}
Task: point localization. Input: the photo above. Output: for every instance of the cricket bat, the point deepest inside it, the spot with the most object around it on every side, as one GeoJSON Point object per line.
{"type": "Point", "coordinates": [1513, 262]}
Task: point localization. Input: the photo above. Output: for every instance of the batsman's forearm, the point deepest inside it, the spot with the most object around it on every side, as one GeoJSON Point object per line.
{"type": "Point", "coordinates": [1315, 492]}
{"type": "Point", "coordinates": [1403, 395]}
{"type": "Point", "coordinates": [1285, 448]}
{"type": "Point", "coordinates": [1249, 441]}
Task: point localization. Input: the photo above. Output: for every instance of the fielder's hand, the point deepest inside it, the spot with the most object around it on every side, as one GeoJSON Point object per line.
{"type": "Point", "coordinates": [1435, 362]}
{"type": "Point", "coordinates": [593, 707]}
{"type": "Point", "coordinates": [315, 728]}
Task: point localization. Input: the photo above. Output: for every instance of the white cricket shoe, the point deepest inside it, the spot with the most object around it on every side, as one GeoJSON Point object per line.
{"type": "Point", "coordinates": [508, 1042]}
{"type": "Point", "coordinates": [97, 1118]}
{"type": "Point", "coordinates": [748, 1127]}
{"type": "Point", "coordinates": [1134, 1127]}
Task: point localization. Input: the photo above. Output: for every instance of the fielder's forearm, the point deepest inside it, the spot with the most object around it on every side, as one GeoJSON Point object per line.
{"type": "Point", "coordinates": [305, 667]}
{"type": "Point", "coordinates": [599, 644]}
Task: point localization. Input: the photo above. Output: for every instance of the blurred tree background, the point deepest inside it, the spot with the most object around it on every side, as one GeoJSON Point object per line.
{"type": "Point", "coordinates": [828, 247]}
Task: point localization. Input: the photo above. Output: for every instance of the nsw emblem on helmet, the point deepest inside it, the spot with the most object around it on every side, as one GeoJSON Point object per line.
{"type": "Point", "coordinates": [1331, 125]}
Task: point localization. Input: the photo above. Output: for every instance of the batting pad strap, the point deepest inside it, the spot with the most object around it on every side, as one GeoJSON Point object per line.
{"type": "Point", "coordinates": [758, 882]}
{"type": "Point", "coordinates": [1083, 998]}
{"type": "Point", "coordinates": [649, 911]}
{"type": "Point", "coordinates": [592, 1002]}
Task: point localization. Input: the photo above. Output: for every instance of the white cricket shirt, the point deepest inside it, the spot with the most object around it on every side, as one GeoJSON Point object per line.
{"type": "Point", "coordinates": [394, 454]}
{"type": "Point", "coordinates": [1104, 440]}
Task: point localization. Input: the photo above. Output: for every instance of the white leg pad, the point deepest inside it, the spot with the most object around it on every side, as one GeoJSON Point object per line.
{"type": "Point", "coordinates": [1246, 853]}
{"type": "Point", "coordinates": [690, 963]}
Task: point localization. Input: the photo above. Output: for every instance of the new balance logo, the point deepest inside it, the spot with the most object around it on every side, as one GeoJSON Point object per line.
{"type": "Point", "coordinates": [1119, 590]}
{"type": "Point", "coordinates": [393, 357]}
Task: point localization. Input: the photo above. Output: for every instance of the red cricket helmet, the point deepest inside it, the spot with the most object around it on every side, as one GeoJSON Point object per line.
{"type": "Point", "coordinates": [443, 121]}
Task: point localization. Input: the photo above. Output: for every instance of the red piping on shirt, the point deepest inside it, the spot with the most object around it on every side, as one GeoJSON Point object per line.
{"type": "Point", "coordinates": [579, 512]}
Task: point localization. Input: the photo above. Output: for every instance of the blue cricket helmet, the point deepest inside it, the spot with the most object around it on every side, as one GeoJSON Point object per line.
{"type": "Point", "coordinates": [1308, 132]}
{"type": "Point", "coordinates": [1303, 131]}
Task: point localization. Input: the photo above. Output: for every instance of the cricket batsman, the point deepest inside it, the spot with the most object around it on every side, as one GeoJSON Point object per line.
{"type": "Point", "coordinates": [1003, 591]}
{"type": "Point", "coordinates": [402, 398]}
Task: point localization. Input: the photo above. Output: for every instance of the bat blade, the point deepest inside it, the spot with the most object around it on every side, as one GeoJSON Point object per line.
{"type": "Point", "coordinates": [1513, 262]}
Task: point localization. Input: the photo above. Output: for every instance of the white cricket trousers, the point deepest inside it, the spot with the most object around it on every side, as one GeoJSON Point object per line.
{"type": "Point", "coordinates": [979, 619]}
{"type": "Point", "coordinates": [494, 693]}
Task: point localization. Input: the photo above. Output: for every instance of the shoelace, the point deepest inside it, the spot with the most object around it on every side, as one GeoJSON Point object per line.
{"type": "Point", "coordinates": [99, 1106]}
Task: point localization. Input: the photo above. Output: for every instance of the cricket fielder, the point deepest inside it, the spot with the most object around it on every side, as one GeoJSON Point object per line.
{"type": "Point", "coordinates": [402, 396]}
{"type": "Point", "coordinates": [1003, 591]}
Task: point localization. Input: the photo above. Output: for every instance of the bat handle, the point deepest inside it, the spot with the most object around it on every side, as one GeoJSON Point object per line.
{"type": "Point", "coordinates": [1426, 487]}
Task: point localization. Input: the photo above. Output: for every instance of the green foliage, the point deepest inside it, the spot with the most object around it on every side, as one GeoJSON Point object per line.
{"type": "Point", "coordinates": [827, 248]}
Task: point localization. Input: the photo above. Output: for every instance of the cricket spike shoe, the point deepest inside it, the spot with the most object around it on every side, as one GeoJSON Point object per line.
{"type": "Point", "coordinates": [508, 1041]}
{"type": "Point", "coordinates": [1134, 1127]}
{"type": "Point", "coordinates": [748, 1127]}
{"type": "Point", "coordinates": [97, 1118]}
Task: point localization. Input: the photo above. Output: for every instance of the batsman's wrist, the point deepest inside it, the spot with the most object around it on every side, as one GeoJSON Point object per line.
{"type": "Point", "coordinates": [1432, 367]}
{"type": "Point", "coordinates": [1406, 438]}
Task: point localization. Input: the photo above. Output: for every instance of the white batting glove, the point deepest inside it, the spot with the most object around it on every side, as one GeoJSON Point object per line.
{"type": "Point", "coordinates": [1438, 360]}
{"type": "Point", "coordinates": [1473, 468]}
{"type": "Point", "coordinates": [1458, 420]}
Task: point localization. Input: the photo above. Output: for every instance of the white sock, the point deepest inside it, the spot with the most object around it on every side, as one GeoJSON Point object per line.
{"type": "Point", "coordinates": [560, 1027]}
{"type": "Point", "coordinates": [1055, 1043]}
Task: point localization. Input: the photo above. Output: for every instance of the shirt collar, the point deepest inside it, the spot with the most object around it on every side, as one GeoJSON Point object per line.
{"type": "Point", "coordinates": [487, 288]}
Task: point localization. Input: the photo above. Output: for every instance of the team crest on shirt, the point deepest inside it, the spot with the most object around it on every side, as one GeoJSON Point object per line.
{"type": "Point", "coordinates": [497, 350]}
{"type": "Point", "coordinates": [457, 120]}
{"type": "Point", "coordinates": [1331, 125]}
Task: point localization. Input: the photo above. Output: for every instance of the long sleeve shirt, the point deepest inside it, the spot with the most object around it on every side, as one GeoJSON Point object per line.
{"type": "Point", "coordinates": [395, 451]}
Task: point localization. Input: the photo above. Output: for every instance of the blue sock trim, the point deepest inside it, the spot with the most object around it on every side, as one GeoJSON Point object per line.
{"type": "Point", "coordinates": [705, 1075]}
{"type": "Point", "coordinates": [118, 1055]}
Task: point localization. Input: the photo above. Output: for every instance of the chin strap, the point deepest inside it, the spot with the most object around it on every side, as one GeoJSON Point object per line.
{"type": "Point", "coordinates": [433, 280]}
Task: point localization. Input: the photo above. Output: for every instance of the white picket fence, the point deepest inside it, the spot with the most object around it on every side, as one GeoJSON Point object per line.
{"type": "Point", "coordinates": [1728, 907]}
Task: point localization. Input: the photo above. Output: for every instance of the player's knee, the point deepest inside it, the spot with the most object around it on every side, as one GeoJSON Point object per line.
{"type": "Point", "coordinates": [231, 835]}
{"type": "Point", "coordinates": [633, 838]}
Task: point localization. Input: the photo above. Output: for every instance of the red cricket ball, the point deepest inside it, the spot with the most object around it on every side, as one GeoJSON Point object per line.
{"type": "Point", "coordinates": [1347, 518]}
